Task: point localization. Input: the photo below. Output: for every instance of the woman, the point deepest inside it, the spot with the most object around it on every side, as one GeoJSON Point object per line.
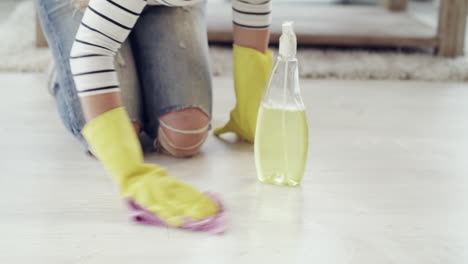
{"type": "Point", "coordinates": [160, 83]}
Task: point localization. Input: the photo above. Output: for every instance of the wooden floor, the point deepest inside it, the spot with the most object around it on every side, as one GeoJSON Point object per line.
{"type": "Point", "coordinates": [386, 182]}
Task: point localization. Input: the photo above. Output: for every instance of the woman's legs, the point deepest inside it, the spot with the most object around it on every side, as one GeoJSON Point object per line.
{"type": "Point", "coordinates": [60, 21]}
{"type": "Point", "coordinates": [171, 49]}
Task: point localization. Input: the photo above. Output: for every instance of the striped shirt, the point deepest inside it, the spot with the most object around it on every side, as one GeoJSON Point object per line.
{"type": "Point", "coordinates": [106, 24]}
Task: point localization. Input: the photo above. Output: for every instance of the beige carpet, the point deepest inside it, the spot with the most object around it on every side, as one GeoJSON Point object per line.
{"type": "Point", "coordinates": [18, 53]}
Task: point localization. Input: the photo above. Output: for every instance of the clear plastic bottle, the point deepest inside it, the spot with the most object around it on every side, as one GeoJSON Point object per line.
{"type": "Point", "coordinates": [281, 140]}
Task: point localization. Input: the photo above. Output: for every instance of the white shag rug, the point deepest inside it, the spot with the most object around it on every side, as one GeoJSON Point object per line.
{"type": "Point", "coordinates": [18, 53]}
{"type": "Point", "coordinates": [17, 46]}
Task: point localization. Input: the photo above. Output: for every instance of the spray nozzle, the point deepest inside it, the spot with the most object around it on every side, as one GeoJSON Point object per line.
{"type": "Point", "coordinates": [288, 42]}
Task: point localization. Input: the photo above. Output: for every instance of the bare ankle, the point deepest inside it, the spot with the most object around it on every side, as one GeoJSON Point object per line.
{"type": "Point", "coordinates": [137, 127]}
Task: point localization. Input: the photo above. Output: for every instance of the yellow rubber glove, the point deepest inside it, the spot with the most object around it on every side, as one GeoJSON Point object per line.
{"type": "Point", "coordinates": [251, 72]}
{"type": "Point", "coordinates": [114, 142]}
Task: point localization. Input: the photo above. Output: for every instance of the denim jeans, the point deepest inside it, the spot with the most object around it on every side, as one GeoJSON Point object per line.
{"type": "Point", "coordinates": [162, 67]}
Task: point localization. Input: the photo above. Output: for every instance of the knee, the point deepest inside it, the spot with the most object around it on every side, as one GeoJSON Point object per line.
{"type": "Point", "coordinates": [182, 133]}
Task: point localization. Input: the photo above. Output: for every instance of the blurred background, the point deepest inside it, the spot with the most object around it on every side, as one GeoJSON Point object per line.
{"type": "Point", "coordinates": [345, 39]}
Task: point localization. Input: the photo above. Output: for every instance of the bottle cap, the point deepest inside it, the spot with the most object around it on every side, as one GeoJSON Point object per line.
{"type": "Point", "coordinates": [288, 42]}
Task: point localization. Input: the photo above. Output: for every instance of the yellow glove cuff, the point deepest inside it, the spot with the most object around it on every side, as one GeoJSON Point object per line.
{"type": "Point", "coordinates": [251, 72]}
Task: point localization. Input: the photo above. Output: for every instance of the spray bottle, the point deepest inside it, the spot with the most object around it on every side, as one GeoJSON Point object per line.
{"type": "Point", "coordinates": [281, 139]}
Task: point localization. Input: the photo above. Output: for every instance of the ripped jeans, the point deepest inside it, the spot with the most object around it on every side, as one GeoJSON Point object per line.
{"type": "Point", "coordinates": [163, 68]}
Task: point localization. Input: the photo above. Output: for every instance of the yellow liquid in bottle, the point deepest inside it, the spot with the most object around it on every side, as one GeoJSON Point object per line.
{"type": "Point", "coordinates": [281, 144]}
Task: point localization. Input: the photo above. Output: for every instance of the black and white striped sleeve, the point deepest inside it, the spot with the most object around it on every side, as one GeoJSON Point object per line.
{"type": "Point", "coordinates": [252, 13]}
{"type": "Point", "coordinates": [104, 26]}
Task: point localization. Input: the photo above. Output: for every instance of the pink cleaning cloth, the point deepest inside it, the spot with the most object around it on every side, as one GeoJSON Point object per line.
{"type": "Point", "coordinates": [215, 224]}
